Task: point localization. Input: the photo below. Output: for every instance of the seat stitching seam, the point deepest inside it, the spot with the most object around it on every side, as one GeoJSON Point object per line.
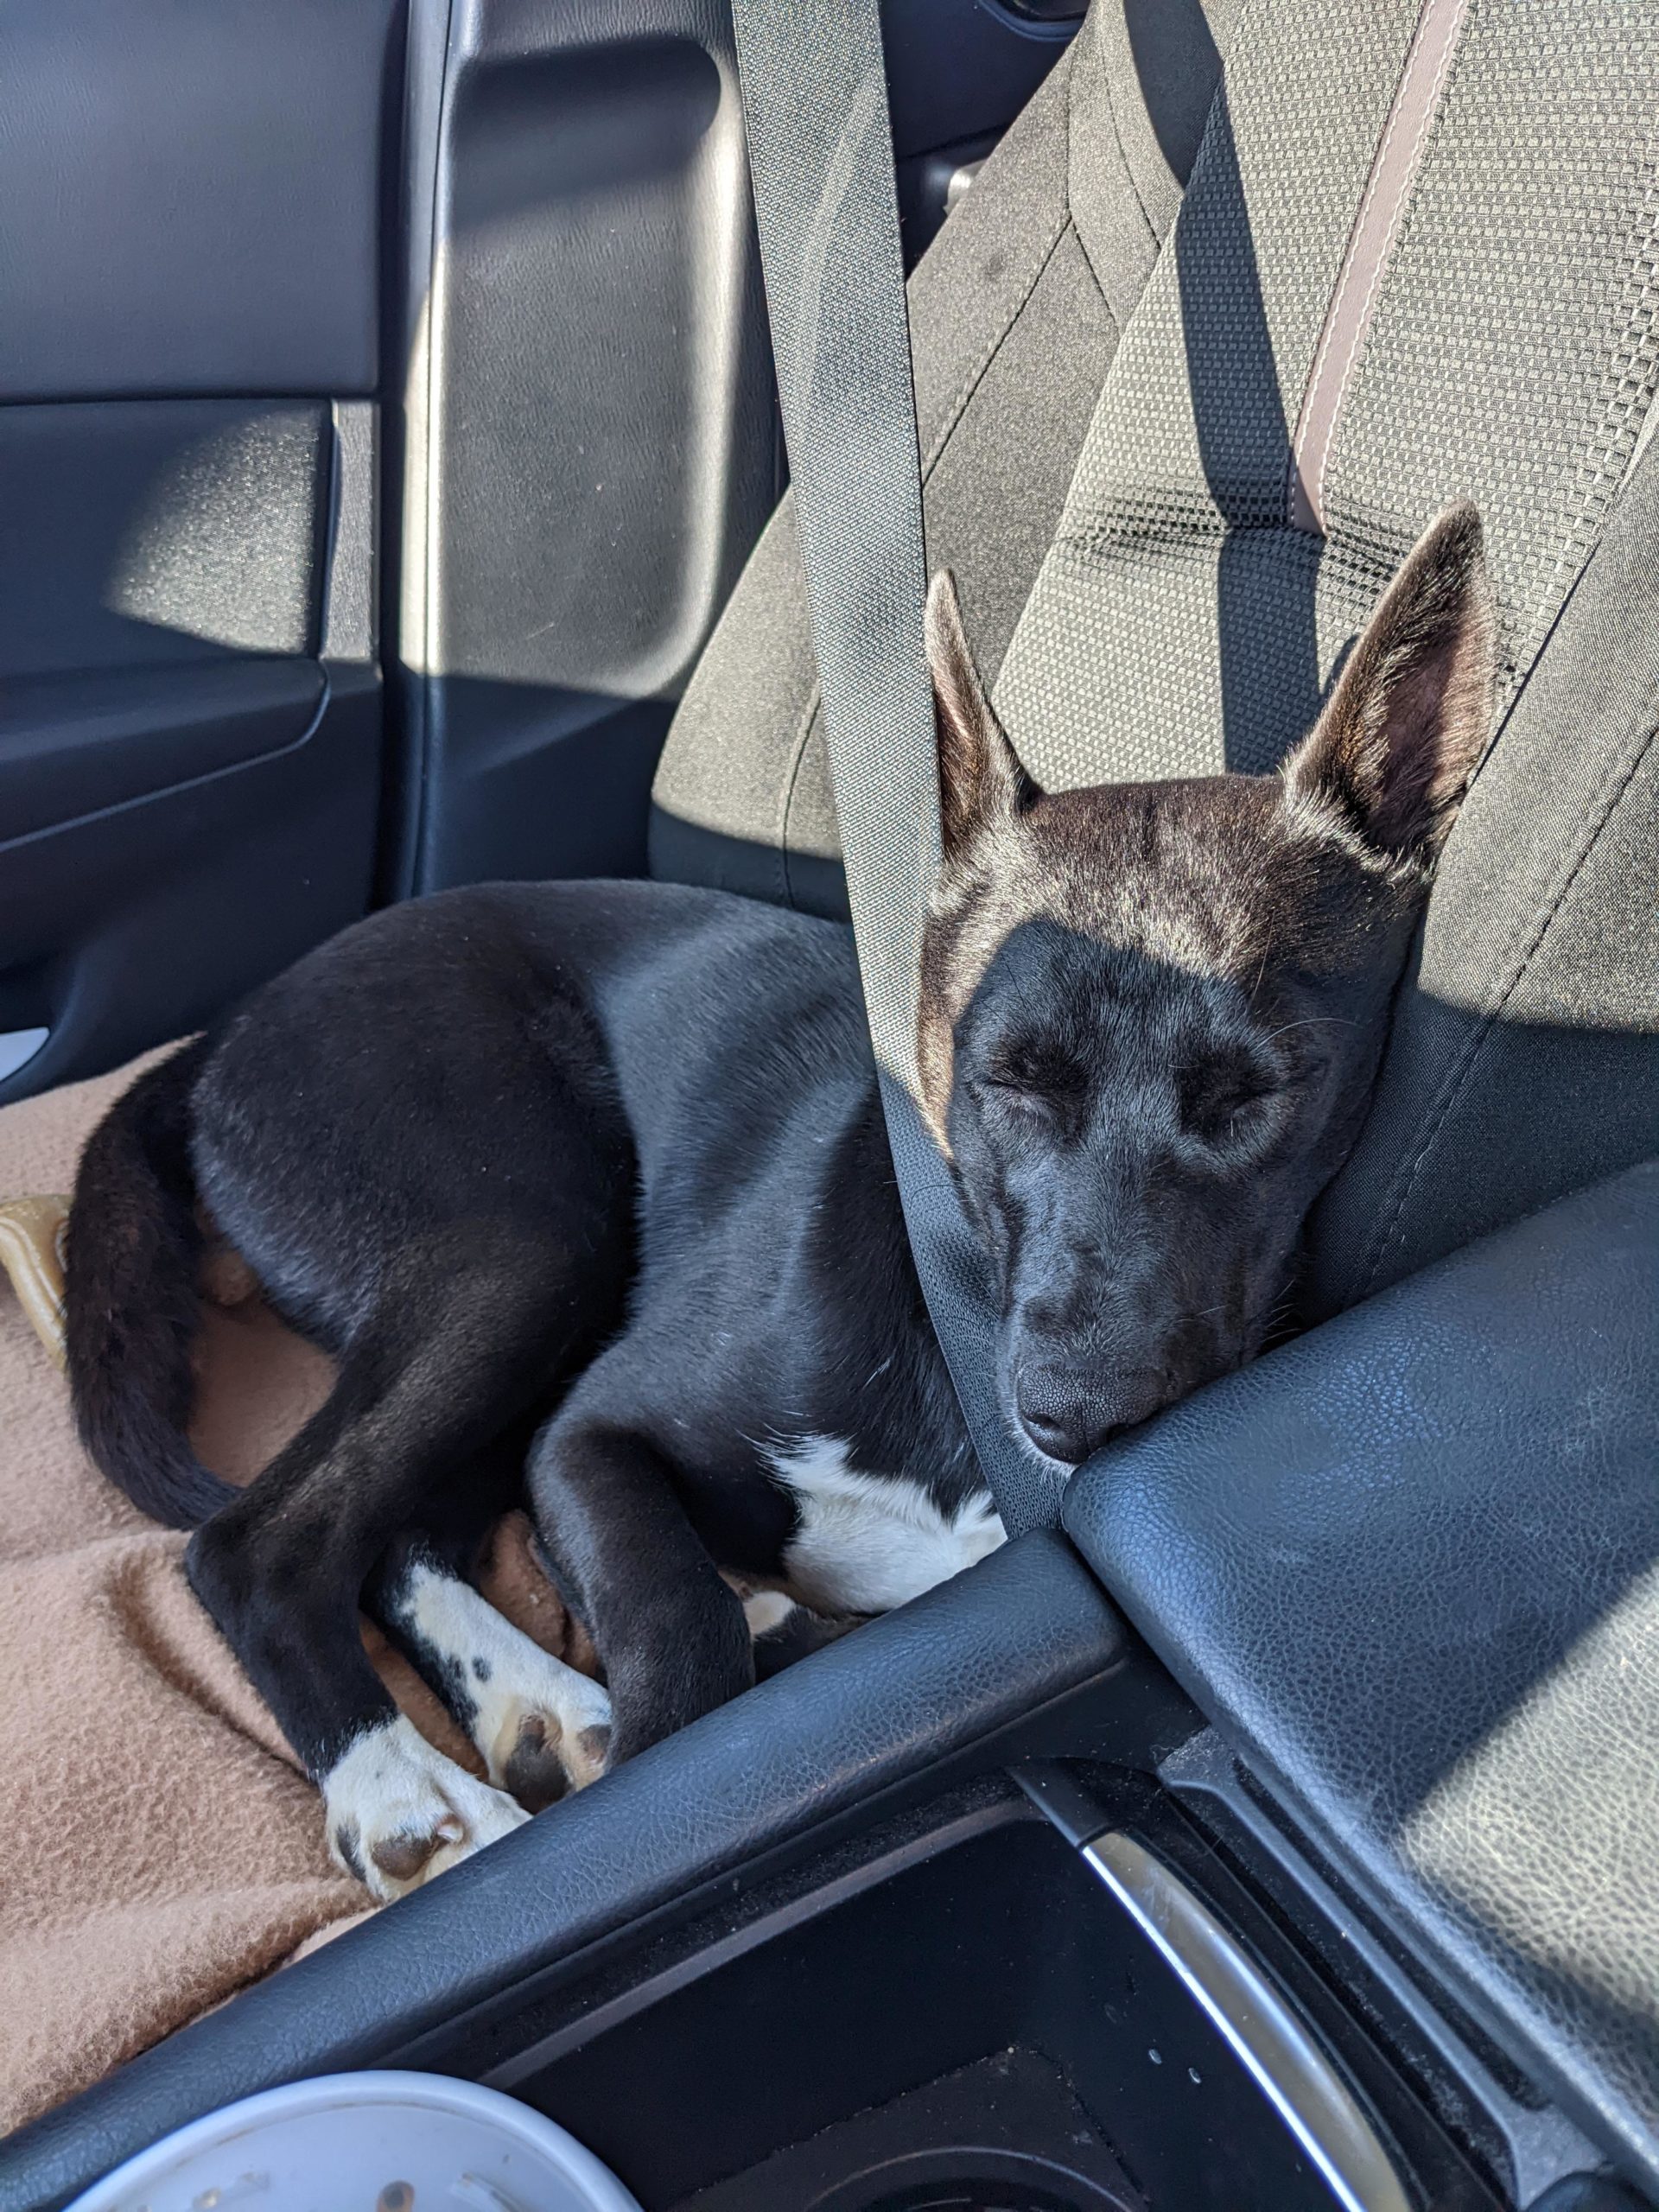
{"type": "Point", "coordinates": [1123, 156]}
{"type": "Point", "coordinates": [1363, 325]}
{"type": "Point", "coordinates": [976, 375]}
{"type": "Point", "coordinates": [796, 757]}
{"type": "Point", "coordinates": [1373, 184]}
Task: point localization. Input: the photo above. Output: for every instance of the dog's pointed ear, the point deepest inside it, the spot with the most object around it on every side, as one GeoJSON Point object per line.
{"type": "Point", "coordinates": [981, 783]}
{"type": "Point", "coordinates": [1400, 735]}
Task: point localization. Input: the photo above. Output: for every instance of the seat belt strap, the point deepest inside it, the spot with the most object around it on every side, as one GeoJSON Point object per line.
{"type": "Point", "coordinates": [815, 103]}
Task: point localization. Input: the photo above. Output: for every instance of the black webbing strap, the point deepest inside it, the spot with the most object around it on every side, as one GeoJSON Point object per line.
{"type": "Point", "coordinates": [815, 105]}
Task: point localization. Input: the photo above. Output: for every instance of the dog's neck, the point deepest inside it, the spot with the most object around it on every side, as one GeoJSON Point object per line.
{"type": "Point", "coordinates": [865, 1286]}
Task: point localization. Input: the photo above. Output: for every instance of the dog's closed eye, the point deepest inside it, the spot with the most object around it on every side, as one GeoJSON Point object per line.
{"type": "Point", "coordinates": [1038, 1075]}
{"type": "Point", "coordinates": [1223, 1095]}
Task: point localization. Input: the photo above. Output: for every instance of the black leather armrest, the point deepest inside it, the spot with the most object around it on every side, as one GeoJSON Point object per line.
{"type": "Point", "coordinates": [1409, 1565]}
{"type": "Point", "coordinates": [932, 1685]}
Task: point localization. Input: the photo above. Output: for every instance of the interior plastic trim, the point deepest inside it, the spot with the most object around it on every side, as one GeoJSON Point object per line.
{"type": "Point", "coordinates": [1530, 2143]}
{"type": "Point", "coordinates": [1267, 2034]}
{"type": "Point", "coordinates": [535, 2059]}
{"type": "Point", "coordinates": [18, 1047]}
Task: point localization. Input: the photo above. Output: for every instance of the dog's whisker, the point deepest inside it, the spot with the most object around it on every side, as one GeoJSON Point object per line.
{"type": "Point", "coordinates": [1313, 1021]}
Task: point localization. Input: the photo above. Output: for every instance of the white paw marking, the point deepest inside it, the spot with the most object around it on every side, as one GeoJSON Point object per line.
{"type": "Point", "coordinates": [399, 1812]}
{"type": "Point", "coordinates": [540, 1726]}
{"type": "Point", "coordinates": [869, 1542]}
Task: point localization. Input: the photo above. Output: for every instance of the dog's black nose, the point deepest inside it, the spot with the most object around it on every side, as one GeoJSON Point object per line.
{"type": "Point", "coordinates": [1065, 1427]}
{"type": "Point", "coordinates": [1069, 1417]}
{"type": "Point", "coordinates": [1059, 1439]}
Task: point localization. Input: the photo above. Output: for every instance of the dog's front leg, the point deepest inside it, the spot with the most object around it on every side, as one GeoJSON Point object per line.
{"type": "Point", "coordinates": [670, 1634]}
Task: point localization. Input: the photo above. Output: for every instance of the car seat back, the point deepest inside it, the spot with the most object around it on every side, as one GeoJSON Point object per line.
{"type": "Point", "coordinates": [1418, 257]}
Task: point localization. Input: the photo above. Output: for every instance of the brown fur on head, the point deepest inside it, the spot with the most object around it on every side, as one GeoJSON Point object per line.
{"type": "Point", "coordinates": [1152, 1013]}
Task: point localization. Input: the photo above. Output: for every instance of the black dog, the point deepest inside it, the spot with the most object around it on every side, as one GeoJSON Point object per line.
{"type": "Point", "coordinates": [603, 1165]}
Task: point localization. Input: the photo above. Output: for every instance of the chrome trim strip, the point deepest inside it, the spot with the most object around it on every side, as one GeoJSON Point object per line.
{"type": "Point", "coordinates": [18, 1047]}
{"type": "Point", "coordinates": [1280, 2054]}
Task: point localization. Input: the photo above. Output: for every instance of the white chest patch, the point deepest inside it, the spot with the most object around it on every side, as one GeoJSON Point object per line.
{"type": "Point", "coordinates": [869, 1542]}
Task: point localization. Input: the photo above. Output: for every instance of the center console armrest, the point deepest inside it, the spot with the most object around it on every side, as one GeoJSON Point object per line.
{"type": "Point", "coordinates": [1409, 1567]}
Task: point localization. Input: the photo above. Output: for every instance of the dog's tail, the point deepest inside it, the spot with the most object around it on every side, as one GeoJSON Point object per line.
{"type": "Point", "coordinates": [131, 1304]}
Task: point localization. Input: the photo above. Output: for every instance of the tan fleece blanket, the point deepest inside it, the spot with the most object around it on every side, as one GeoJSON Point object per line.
{"type": "Point", "coordinates": [159, 1846]}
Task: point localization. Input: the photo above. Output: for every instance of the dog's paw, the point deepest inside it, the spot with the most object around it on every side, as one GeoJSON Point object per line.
{"type": "Point", "coordinates": [543, 1728]}
{"type": "Point", "coordinates": [399, 1812]}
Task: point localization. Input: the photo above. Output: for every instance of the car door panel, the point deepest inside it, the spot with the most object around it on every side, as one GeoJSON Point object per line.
{"type": "Point", "coordinates": [494, 257]}
{"type": "Point", "coordinates": [192, 195]}
{"type": "Point", "coordinates": [591, 449]}
{"type": "Point", "coordinates": [190, 313]}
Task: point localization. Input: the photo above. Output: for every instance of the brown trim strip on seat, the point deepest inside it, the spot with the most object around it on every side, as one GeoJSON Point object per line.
{"type": "Point", "coordinates": [1353, 299]}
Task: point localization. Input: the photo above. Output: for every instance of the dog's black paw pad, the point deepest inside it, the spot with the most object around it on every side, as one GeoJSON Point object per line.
{"type": "Point", "coordinates": [534, 1772]}
{"type": "Point", "coordinates": [402, 1856]}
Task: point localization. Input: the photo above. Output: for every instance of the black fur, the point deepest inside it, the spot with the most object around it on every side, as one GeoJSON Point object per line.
{"type": "Point", "coordinates": [609, 1158]}
{"type": "Point", "coordinates": [134, 1250]}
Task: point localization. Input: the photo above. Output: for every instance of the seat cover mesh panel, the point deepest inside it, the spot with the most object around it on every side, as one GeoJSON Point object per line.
{"type": "Point", "coordinates": [1180, 623]}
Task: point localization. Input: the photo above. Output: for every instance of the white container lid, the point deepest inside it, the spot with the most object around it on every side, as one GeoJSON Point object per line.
{"type": "Point", "coordinates": [371, 2142]}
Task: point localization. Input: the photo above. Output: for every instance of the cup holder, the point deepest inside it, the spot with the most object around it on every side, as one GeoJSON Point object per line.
{"type": "Point", "coordinates": [985, 2019]}
{"type": "Point", "coordinates": [970, 2181]}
